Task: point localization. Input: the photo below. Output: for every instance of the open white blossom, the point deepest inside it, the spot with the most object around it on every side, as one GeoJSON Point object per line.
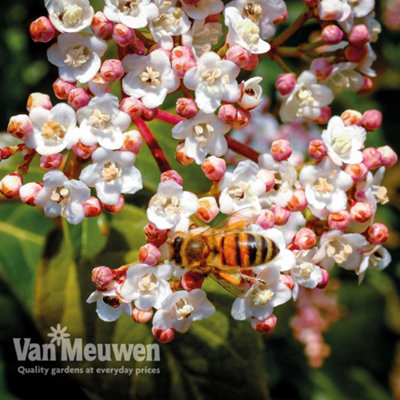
{"type": "Point", "coordinates": [112, 173]}
{"type": "Point", "coordinates": [53, 130]}
{"type": "Point", "coordinates": [260, 300]}
{"type": "Point", "coordinates": [171, 207]}
{"type": "Point", "coordinates": [213, 80]}
{"type": "Point", "coordinates": [241, 188]}
{"type": "Point", "coordinates": [203, 134]}
{"type": "Point", "coordinates": [371, 189]}
{"type": "Point", "coordinates": [344, 142]}
{"type": "Point", "coordinates": [102, 122]}
{"type": "Point", "coordinates": [63, 197]}
{"type": "Point", "coordinates": [147, 286]}
{"type": "Point", "coordinates": [344, 77]}
{"type": "Point", "coordinates": [374, 257]}
{"type": "Point", "coordinates": [181, 308]}
{"type": "Point", "coordinates": [251, 93]}
{"type": "Point", "coordinates": [325, 186]}
{"type": "Point", "coordinates": [203, 8]}
{"type": "Point", "coordinates": [306, 99]}
{"type": "Point", "coordinates": [132, 13]}
{"type": "Point", "coordinates": [78, 57]}
{"type": "Point", "coordinates": [70, 15]}
{"type": "Point", "coordinates": [149, 78]}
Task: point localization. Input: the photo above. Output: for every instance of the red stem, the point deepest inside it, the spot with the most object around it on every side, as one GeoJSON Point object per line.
{"type": "Point", "coordinates": [242, 149]}
{"type": "Point", "coordinates": [153, 145]}
{"type": "Point", "coordinates": [168, 118]}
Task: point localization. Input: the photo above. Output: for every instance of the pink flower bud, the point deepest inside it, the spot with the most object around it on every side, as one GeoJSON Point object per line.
{"type": "Point", "coordinates": [38, 100]}
{"type": "Point", "coordinates": [52, 161]}
{"type": "Point", "coordinates": [287, 280]}
{"type": "Point", "coordinates": [83, 151]}
{"type": "Point", "coordinates": [182, 60]}
{"type": "Point", "coordinates": [361, 212]}
{"type": "Point", "coordinates": [139, 47]}
{"type": "Point", "coordinates": [322, 67]}
{"type": "Point", "coordinates": [227, 113]}
{"type": "Point", "coordinates": [171, 175]}
{"type": "Point", "coordinates": [191, 2]}
{"type": "Point", "coordinates": [351, 117]}
{"type": "Point", "coordinates": [149, 254]}
{"type": "Point", "coordinates": [42, 30]}
{"type": "Point", "coordinates": [281, 150]}
{"type": "Point", "coordinates": [112, 70]}
{"type": "Point", "coordinates": [311, 3]}
{"type": "Point", "coordinates": [62, 88]}
{"type": "Point", "coordinates": [358, 172]}
{"type": "Point", "coordinates": [211, 17]}
{"type": "Point", "coordinates": [372, 120]}
{"type": "Point", "coordinates": [305, 239]}
{"type": "Point", "coordinates": [243, 118]}
{"type": "Point", "coordinates": [281, 18]}
{"type": "Point", "coordinates": [265, 326]}
{"type": "Point", "coordinates": [115, 208]}
{"type": "Point", "coordinates": [101, 26]}
{"type": "Point", "coordinates": [132, 141]}
{"type": "Point", "coordinates": [372, 158]}
{"type": "Point", "coordinates": [285, 83]}
{"type": "Point", "coordinates": [148, 114]}
{"type": "Point", "coordinates": [10, 185]}
{"type": "Point", "coordinates": [163, 336]}
{"type": "Point", "coordinates": [180, 155]}
{"type": "Point", "coordinates": [324, 115]}
{"type": "Point", "coordinates": [214, 168]}
{"type": "Point", "coordinates": [102, 277]}
{"type": "Point", "coordinates": [332, 34]}
{"type": "Point", "coordinates": [208, 209]}
{"type": "Point", "coordinates": [317, 150]}
{"type": "Point", "coordinates": [281, 215]}
{"type": "Point", "coordinates": [325, 279]}
{"type": "Point", "coordinates": [29, 191]}
{"type": "Point", "coordinates": [377, 233]}
{"type": "Point", "coordinates": [266, 219]}
{"type": "Point", "coordinates": [186, 107]}
{"type": "Point", "coordinates": [388, 156]}
{"type": "Point", "coordinates": [192, 280]}
{"type": "Point", "coordinates": [367, 85]}
{"type": "Point", "coordinates": [355, 54]}
{"type": "Point", "coordinates": [242, 57]}
{"type": "Point", "coordinates": [359, 35]}
{"type": "Point", "coordinates": [141, 316]}
{"type": "Point", "coordinates": [92, 207]}
{"type": "Point", "coordinates": [155, 236]}
{"type": "Point", "coordinates": [132, 106]}
{"type": "Point", "coordinates": [298, 202]}
{"type": "Point", "coordinates": [78, 98]}
{"type": "Point", "coordinates": [268, 177]}
{"type": "Point", "coordinates": [339, 220]}
{"type": "Point", "coordinates": [20, 126]}
{"type": "Point", "coordinates": [123, 35]}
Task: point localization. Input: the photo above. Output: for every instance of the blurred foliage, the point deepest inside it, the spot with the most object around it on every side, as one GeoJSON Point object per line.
{"type": "Point", "coordinates": [45, 273]}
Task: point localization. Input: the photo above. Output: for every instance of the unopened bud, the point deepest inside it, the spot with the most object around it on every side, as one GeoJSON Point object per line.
{"type": "Point", "coordinates": [38, 100]}
{"type": "Point", "coordinates": [214, 168]}
{"type": "Point", "coordinates": [123, 35]}
{"type": "Point", "coordinates": [358, 172]}
{"type": "Point", "coordinates": [372, 158]}
{"type": "Point", "coordinates": [281, 150]}
{"type": "Point", "coordinates": [266, 219]}
{"type": "Point", "coordinates": [42, 30]}
{"type": "Point", "coordinates": [367, 85]}
{"type": "Point", "coordinates": [29, 191]}
{"type": "Point", "coordinates": [359, 35]}
{"type": "Point", "coordinates": [281, 215]}
{"type": "Point", "coordinates": [182, 60]}
{"type": "Point", "coordinates": [317, 150]}
{"type": "Point", "coordinates": [377, 233]}
{"type": "Point", "coordinates": [265, 326]}
{"type": "Point", "coordinates": [332, 34]}
{"type": "Point", "coordinates": [227, 114]}
{"type": "Point", "coordinates": [208, 209]}
{"type": "Point", "coordinates": [155, 236]}
{"type": "Point", "coordinates": [351, 117]}
{"type": "Point", "coordinates": [101, 26]}
{"type": "Point", "coordinates": [102, 277]}
{"type": "Point", "coordinates": [132, 141]}
{"type": "Point", "coordinates": [242, 118]}
{"type": "Point", "coordinates": [285, 83]}
{"type": "Point", "coordinates": [62, 88]}
{"type": "Point", "coordinates": [20, 126]}
{"type": "Point", "coordinates": [186, 107]}
{"type": "Point", "coordinates": [141, 316]}
{"type": "Point", "coordinates": [138, 47]}
{"type": "Point", "coordinates": [321, 67]}
{"type": "Point", "coordinates": [149, 254]}
{"type": "Point", "coordinates": [92, 207]}
{"type": "Point", "coordinates": [311, 3]}
{"type": "Point", "coordinates": [305, 239]}
{"type": "Point", "coordinates": [324, 115]}
{"type": "Point", "coordinates": [83, 151]}
{"type": "Point", "coordinates": [132, 106]}
{"type": "Point", "coordinates": [242, 57]}
{"type": "Point", "coordinates": [355, 54]}
{"type": "Point", "coordinates": [115, 208]}
{"type": "Point", "coordinates": [298, 202]}
{"type": "Point", "coordinates": [361, 212]}
{"type": "Point", "coordinates": [171, 175]}
{"type": "Point", "coordinates": [339, 220]}
{"type": "Point", "coordinates": [180, 155]}
{"type": "Point", "coordinates": [52, 161]}
{"type": "Point", "coordinates": [163, 335]}
{"type": "Point", "coordinates": [192, 280]}
{"type": "Point", "coordinates": [10, 185]}
{"type": "Point", "coordinates": [388, 156]}
{"type": "Point", "coordinates": [78, 98]}
{"type": "Point", "coordinates": [372, 120]}
{"type": "Point", "coordinates": [325, 279]}
{"type": "Point", "coordinates": [148, 114]}
{"type": "Point", "coordinates": [112, 70]}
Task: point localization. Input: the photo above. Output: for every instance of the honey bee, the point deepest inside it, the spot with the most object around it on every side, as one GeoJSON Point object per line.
{"type": "Point", "coordinates": [228, 253]}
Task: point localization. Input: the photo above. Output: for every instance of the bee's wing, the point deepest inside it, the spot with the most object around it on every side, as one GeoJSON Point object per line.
{"type": "Point", "coordinates": [228, 224]}
{"type": "Point", "coordinates": [228, 284]}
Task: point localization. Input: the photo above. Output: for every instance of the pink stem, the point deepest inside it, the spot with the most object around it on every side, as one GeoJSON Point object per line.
{"type": "Point", "coordinates": [168, 118]}
{"type": "Point", "coordinates": [242, 149]}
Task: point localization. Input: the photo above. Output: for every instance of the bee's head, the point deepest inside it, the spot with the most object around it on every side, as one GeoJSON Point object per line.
{"type": "Point", "coordinates": [196, 250]}
{"type": "Point", "coordinates": [175, 248]}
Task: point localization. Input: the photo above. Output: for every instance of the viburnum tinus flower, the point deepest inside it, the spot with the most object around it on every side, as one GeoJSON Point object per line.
{"type": "Point", "coordinates": [112, 173]}
{"type": "Point", "coordinates": [202, 8]}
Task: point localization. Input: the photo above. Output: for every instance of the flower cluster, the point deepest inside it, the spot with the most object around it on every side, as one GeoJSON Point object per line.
{"type": "Point", "coordinates": [311, 184]}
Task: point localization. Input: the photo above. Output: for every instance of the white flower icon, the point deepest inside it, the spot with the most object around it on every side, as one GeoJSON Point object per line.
{"type": "Point", "coordinates": [58, 334]}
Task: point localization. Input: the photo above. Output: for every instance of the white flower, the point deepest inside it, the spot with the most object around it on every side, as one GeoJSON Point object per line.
{"type": "Point", "coordinates": [203, 8]}
{"type": "Point", "coordinates": [149, 78]}
{"type": "Point", "coordinates": [244, 32]}
{"type": "Point", "coordinates": [110, 305]}
{"type": "Point", "coordinates": [213, 80]}
{"type": "Point", "coordinates": [147, 286]}
{"type": "Point", "coordinates": [241, 188]}
{"type": "Point", "coordinates": [325, 186]}
{"type": "Point", "coordinates": [181, 308]}
{"type": "Point", "coordinates": [77, 57]}
{"type": "Point", "coordinates": [251, 93]}
{"type": "Point", "coordinates": [344, 77]}
{"type": "Point", "coordinates": [306, 99]}
{"type": "Point", "coordinates": [343, 249]}
{"type": "Point", "coordinates": [70, 15]}
{"type": "Point", "coordinates": [305, 272]}
{"type": "Point", "coordinates": [371, 190]}
{"type": "Point", "coordinates": [365, 64]}
{"type": "Point", "coordinates": [260, 300]}
{"type": "Point", "coordinates": [203, 134]}
{"type": "Point", "coordinates": [60, 196]}
{"type": "Point", "coordinates": [202, 36]}
{"type": "Point", "coordinates": [112, 173]}
{"type": "Point", "coordinates": [374, 257]}
{"type": "Point", "coordinates": [102, 122]}
{"type": "Point", "coordinates": [171, 21]}
{"type": "Point", "coordinates": [53, 130]}
{"type": "Point", "coordinates": [344, 142]}
{"type": "Point", "coordinates": [171, 207]}
{"type": "Point", "coordinates": [132, 13]}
